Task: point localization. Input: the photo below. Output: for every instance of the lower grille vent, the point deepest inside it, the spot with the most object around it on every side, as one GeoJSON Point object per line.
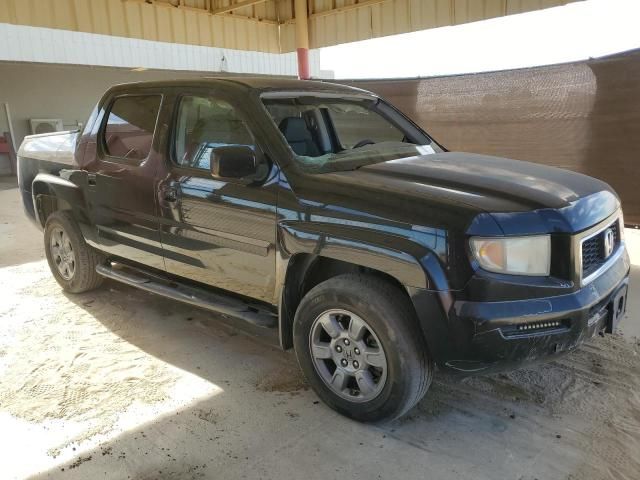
{"type": "Point", "coordinates": [549, 326]}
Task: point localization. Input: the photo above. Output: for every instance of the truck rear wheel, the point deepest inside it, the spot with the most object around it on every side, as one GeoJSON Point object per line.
{"type": "Point", "coordinates": [71, 260]}
{"type": "Point", "coordinates": [359, 346]}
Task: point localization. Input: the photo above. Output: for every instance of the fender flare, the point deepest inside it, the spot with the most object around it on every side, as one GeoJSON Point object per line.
{"type": "Point", "coordinates": [67, 194]}
{"type": "Point", "coordinates": [414, 266]}
{"type": "Point", "coordinates": [396, 256]}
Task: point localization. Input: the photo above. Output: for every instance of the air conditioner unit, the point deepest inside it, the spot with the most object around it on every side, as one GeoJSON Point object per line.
{"type": "Point", "coordinates": [46, 125]}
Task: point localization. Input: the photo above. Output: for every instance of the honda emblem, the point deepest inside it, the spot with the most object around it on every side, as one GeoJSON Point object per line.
{"type": "Point", "coordinates": [609, 242]}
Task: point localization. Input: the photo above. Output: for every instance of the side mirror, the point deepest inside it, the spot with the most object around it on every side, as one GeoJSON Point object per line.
{"type": "Point", "coordinates": [236, 162]}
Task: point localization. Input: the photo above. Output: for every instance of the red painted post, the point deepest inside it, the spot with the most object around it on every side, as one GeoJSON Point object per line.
{"type": "Point", "coordinates": [303, 64]}
{"type": "Point", "coordinates": [302, 39]}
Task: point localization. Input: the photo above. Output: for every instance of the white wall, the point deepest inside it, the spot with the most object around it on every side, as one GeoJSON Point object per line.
{"type": "Point", "coordinates": [68, 92]}
{"type": "Point", "coordinates": [69, 71]}
{"type": "Point", "coordinates": [34, 44]}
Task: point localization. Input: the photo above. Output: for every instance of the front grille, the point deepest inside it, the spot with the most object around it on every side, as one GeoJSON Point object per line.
{"type": "Point", "coordinates": [593, 249]}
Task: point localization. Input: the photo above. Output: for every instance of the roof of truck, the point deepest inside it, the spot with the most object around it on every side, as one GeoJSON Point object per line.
{"type": "Point", "coordinates": [261, 84]}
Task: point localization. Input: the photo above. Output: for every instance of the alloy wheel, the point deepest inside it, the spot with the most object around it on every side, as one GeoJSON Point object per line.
{"type": "Point", "coordinates": [348, 355]}
{"type": "Point", "coordinates": [62, 253]}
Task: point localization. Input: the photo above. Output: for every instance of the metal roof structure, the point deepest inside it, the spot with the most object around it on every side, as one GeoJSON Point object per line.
{"type": "Point", "coordinates": [257, 25]}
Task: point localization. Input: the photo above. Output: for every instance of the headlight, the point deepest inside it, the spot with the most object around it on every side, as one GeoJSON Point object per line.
{"type": "Point", "coordinates": [514, 255]}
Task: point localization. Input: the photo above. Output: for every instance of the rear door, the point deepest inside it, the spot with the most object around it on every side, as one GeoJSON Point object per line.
{"type": "Point", "coordinates": [121, 180]}
{"type": "Point", "coordinates": [217, 231]}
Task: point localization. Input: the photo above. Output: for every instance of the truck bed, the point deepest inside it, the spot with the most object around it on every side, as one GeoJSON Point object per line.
{"type": "Point", "coordinates": [44, 153]}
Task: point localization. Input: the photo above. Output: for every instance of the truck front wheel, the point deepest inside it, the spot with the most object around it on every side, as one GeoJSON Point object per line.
{"type": "Point", "coordinates": [71, 260]}
{"type": "Point", "coordinates": [359, 346]}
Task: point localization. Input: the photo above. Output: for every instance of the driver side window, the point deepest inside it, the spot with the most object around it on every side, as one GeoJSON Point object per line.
{"type": "Point", "coordinates": [203, 124]}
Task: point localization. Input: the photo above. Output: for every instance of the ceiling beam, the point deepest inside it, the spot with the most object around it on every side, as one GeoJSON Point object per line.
{"type": "Point", "coordinates": [346, 8]}
{"type": "Point", "coordinates": [220, 11]}
{"type": "Point", "coordinates": [235, 6]}
{"type": "Point", "coordinates": [333, 11]}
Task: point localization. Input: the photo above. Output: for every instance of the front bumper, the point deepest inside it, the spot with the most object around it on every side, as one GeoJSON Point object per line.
{"type": "Point", "coordinates": [481, 337]}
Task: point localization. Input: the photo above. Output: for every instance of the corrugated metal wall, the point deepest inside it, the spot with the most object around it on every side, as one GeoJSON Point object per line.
{"type": "Point", "coordinates": [268, 26]}
{"type": "Point", "coordinates": [159, 21]}
{"type": "Point", "coordinates": [375, 18]}
{"type": "Point", "coordinates": [581, 116]}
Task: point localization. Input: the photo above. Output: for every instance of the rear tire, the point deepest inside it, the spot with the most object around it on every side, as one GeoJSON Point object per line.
{"type": "Point", "coordinates": [72, 262]}
{"type": "Point", "coordinates": [363, 328]}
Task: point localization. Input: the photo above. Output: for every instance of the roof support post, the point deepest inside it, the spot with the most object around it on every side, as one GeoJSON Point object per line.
{"type": "Point", "coordinates": [302, 39]}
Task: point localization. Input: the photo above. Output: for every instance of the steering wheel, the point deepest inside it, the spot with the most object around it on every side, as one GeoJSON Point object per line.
{"type": "Point", "coordinates": [362, 143]}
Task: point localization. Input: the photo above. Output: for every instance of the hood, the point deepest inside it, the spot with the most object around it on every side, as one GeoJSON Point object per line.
{"type": "Point", "coordinates": [510, 190]}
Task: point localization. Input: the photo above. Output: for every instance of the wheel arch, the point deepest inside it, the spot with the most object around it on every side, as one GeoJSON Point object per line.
{"type": "Point", "coordinates": [310, 255]}
{"type": "Point", "coordinates": [51, 193]}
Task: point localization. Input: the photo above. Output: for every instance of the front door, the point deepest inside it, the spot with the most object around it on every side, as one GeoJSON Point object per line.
{"type": "Point", "coordinates": [214, 231]}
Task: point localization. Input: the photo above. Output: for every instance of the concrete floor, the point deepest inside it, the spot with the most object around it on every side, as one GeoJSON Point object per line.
{"type": "Point", "coordinates": [118, 383]}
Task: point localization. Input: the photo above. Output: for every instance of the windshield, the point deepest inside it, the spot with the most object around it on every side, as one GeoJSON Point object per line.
{"type": "Point", "coordinates": [335, 134]}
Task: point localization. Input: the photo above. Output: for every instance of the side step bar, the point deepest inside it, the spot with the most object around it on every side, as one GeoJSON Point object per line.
{"type": "Point", "coordinates": [198, 297]}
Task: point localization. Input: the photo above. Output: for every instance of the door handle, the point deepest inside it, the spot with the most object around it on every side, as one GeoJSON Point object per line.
{"type": "Point", "coordinates": [91, 179]}
{"type": "Point", "coordinates": [170, 195]}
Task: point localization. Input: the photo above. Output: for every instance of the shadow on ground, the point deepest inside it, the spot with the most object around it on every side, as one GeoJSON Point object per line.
{"type": "Point", "coordinates": [577, 417]}
{"type": "Point", "coordinates": [574, 418]}
{"type": "Point", "coordinates": [20, 241]}
{"type": "Point", "coordinates": [7, 183]}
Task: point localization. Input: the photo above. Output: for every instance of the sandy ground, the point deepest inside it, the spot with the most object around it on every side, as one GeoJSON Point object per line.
{"type": "Point", "coordinates": [122, 384]}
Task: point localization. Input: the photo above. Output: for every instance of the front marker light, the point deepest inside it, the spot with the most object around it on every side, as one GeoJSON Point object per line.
{"type": "Point", "coordinates": [529, 255]}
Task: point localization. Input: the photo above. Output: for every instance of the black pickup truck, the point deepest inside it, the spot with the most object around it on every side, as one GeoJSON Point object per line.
{"type": "Point", "coordinates": [324, 215]}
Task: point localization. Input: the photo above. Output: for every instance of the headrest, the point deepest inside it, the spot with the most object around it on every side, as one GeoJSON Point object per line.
{"type": "Point", "coordinates": [294, 129]}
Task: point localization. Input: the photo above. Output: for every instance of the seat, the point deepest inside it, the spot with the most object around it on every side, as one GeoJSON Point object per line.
{"type": "Point", "coordinates": [298, 136]}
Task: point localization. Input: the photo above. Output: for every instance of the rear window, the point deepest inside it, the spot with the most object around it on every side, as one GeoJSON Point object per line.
{"type": "Point", "coordinates": [130, 126]}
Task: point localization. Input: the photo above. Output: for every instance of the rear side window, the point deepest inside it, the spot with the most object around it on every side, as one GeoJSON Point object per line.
{"type": "Point", "coordinates": [130, 126]}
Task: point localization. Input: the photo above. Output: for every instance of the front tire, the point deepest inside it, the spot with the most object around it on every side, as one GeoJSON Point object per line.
{"type": "Point", "coordinates": [359, 346]}
{"type": "Point", "coordinates": [72, 262]}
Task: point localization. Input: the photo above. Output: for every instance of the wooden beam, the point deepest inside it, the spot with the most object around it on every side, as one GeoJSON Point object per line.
{"type": "Point", "coordinates": [235, 6]}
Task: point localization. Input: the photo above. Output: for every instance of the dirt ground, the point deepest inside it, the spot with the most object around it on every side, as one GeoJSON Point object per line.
{"type": "Point", "coordinates": [118, 383]}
